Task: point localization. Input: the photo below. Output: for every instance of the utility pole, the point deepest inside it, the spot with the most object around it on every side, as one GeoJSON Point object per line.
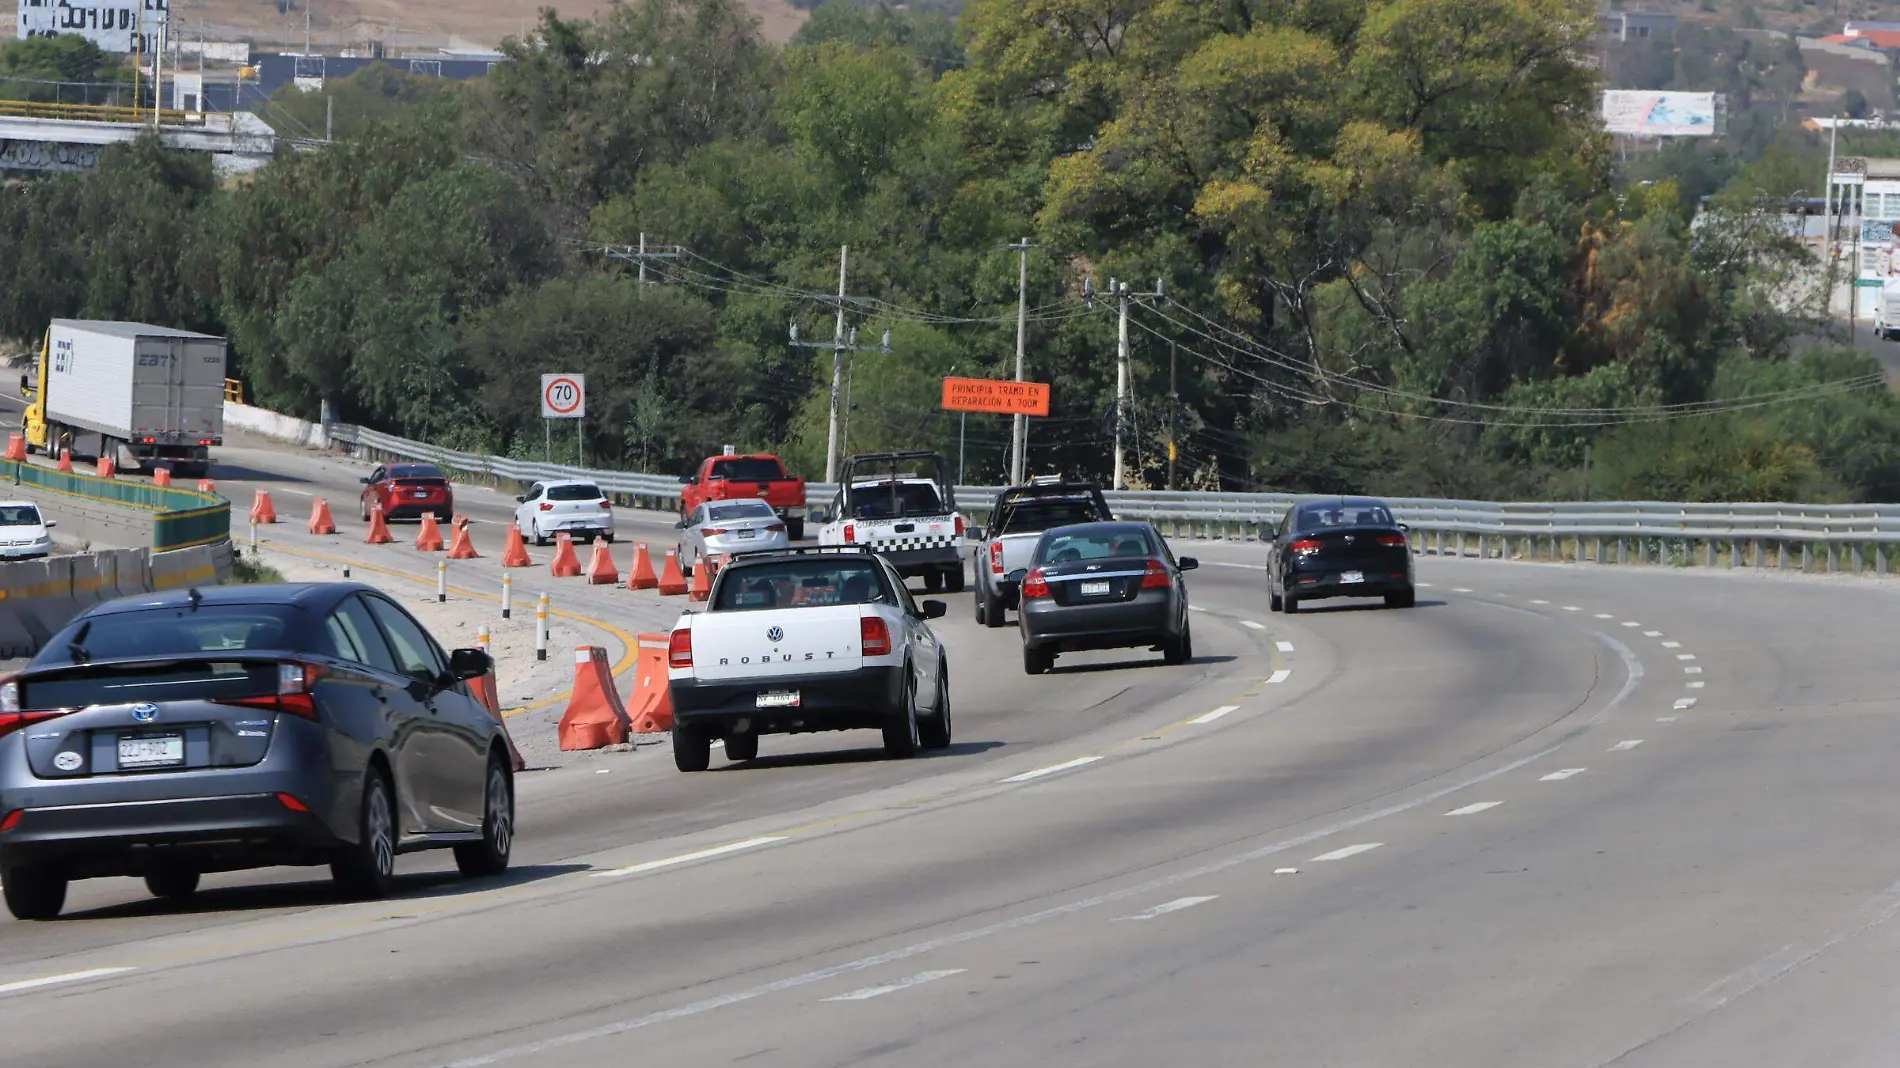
{"type": "Point", "coordinates": [1173, 403]}
{"type": "Point", "coordinates": [329, 117]}
{"type": "Point", "coordinates": [1120, 289]}
{"type": "Point", "coordinates": [1019, 430]}
{"type": "Point", "coordinates": [839, 345]}
{"type": "Point", "coordinates": [837, 371]}
{"type": "Point", "coordinates": [1833, 225]}
{"type": "Point", "coordinates": [640, 255]}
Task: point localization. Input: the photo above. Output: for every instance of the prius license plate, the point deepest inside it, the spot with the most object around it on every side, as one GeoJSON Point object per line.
{"type": "Point", "coordinates": [422, 494]}
{"type": "Point", "coordinates": [1095, 589]}
{"type": "Point", "coordinates": [778, 699]}
{"type": "Point", "coordinates": [1350, 576]}
{"type": "Point", "coordinates": [151, 750]}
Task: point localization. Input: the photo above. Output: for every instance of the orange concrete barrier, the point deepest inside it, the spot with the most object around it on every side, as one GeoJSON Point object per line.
{"type": "Point", "coordinates": [16, 447]}
{"type": "Point", "coordinates": [566, 564]}
{"type": "Point", "coordinates": [429, 538]}
{"type": "Point", "coordinates": [514, 552]}
{"type": "Point", "coordinates": [321, 521]}
{"type": "Point", "coordinates": [485, 691]}
{"type": "Point", "coordinates": [106, 469]}
{"type": "Point", "coordinates": [594, 717]}
{"type": "Point", "coordinates": [601, 570]}
{"type": "Point", "coordinates": [161, 476]}
{"type": "Point", "coordinates": [652, 703]}
{"type": "Point", "coordinates": [205, 485]}
{"type": "Point", "coordinates": [460, 547]}
{"type": "Point", "coordinates": [642, 576]}
{"type": "Point", "coordinates": [701, 587]}
{"type": "Point", "coordinates": [672, 582]}
{"type": "Point", "coordinates": [262, 511]}
{"type": "Point", "coordinates": [378, 528]}
{"type": "Point", "coordinates": [66, 460]}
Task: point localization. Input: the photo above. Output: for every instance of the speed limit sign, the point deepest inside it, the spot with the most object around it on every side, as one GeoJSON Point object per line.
{"type": "Point", "coordinates": [563, 396]}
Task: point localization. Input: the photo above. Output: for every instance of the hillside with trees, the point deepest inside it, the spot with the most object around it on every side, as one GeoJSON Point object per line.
{"type": "Point", "coordinates": [1394, 252]}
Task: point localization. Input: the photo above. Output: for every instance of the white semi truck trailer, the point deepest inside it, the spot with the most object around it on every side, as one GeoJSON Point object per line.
{"type": "Point", "coordinates": [146, 396]}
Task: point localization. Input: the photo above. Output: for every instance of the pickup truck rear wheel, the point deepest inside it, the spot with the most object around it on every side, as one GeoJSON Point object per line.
{"type": "Point", "coordinates": [692, 747]}
{"type": "Point", "coordinates": [1037, 661]}
{"type": "Point", "coordinates": [742, 746]}
{"type": "Point", "coordinates": [901, 738]}
{"type": "Point", "coordinates": [953, 579]}
{"type": "Point", "coordinates": [795, 529]}
{"type": "Point", "coordinates": [933, 582]}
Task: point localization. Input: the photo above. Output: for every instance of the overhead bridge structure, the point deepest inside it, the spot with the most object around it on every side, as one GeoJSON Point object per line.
{"type": "Point", "coordinates": [40, 137]}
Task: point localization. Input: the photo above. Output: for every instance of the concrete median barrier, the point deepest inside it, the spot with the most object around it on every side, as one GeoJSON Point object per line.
{"type": "Point", "coordinates": [38, 597]}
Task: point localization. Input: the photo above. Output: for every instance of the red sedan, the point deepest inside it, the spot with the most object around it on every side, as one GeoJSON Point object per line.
{"type": "Point", "coordinates": [407, 491]}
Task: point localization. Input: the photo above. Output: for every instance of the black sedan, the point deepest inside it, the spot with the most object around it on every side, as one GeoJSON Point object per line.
{"type": "Point", "coordinates": [1343, 547]}
{"type": "Point", "coordinates": [1103, 586]}
{"type": "Point", "coordinates": [174, 734]}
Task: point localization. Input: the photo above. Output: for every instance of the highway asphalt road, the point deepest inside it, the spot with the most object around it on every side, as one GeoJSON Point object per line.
{"type": "Point", "coordinates": [1551, 816]}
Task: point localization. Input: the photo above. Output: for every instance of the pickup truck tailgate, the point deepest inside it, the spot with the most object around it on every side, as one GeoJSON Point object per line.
{"type": "Point", "coordinates": [776, 643]}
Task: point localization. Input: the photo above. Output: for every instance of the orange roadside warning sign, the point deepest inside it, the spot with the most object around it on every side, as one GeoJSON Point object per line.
{"type": "Point", "coordinates": [995, 395]}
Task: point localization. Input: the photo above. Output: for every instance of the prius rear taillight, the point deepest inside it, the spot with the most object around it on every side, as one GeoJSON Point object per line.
{"type": "Point", "coordinates": [296, 691]}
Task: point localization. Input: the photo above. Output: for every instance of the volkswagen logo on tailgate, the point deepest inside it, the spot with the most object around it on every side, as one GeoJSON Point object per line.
{"type": "Point", "coordinates": [145, 713]}
{"type": "Point", "coordinates": [773, 634]}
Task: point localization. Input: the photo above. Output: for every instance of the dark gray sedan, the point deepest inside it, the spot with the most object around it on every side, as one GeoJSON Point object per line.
{"type": "Point", "coordinates": [1103, 586]}
{"type": "Point", "coordinates": [238, 727]}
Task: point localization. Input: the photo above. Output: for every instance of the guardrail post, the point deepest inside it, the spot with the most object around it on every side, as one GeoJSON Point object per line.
{"type": "Point", "coordinates": [1622, 550]}
{"type": "Point", "coordinates": [1860, 560]}
{"type": "Point", "coordinates": [1711, 552]}
{"type": "Point", "coordinates": [1781, 555]}
{"type": "Point", "coordinates": [1833, 558]}
{"type": "Point", "coordinates": [1880, 557]}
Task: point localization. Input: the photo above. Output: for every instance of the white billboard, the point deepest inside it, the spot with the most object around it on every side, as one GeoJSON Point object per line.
{"type": "Point", "coordinates": [1642, 113]}
{"type": "Point", "coordinates": [115, 25]}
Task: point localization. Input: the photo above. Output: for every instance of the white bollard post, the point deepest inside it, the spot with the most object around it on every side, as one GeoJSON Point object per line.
{"type": "Point", "coordinates": [482, 639]}
{"type": "Point", "coordinates": [253, 538]}
{"type": "Point", "coordinates": [441, 581]}
{"type": "Point", "coordinates": [541, 629]}
{"type": "Point", "coordinates": [507, 595]}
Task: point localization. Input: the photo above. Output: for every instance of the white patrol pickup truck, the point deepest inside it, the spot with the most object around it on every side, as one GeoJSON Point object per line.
{"type": "Point", "coordinates": [799, 640]}
{"type": "Point", "coordinates": [911, 520]}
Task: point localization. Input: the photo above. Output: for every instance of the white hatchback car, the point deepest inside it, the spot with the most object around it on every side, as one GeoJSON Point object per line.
{"type": "Point", "coordinates": [720, 527]}
{"type": "Point", "coordinates": [572, 506]}
{"type": "Point", "coordinates": [24, 532]}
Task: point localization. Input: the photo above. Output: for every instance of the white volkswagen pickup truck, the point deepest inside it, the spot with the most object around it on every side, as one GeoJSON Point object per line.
{"type": "Point", "coordinates": [812, 639]}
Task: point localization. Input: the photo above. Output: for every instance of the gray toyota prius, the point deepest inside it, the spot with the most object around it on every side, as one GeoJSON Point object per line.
{"type": "Point", "coordinates": [1113, 585]}
{"type": "Point", "coordinates": [168, 735]}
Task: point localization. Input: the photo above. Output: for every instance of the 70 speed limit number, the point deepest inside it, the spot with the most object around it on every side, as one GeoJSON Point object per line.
{"type": "Point", "coordinates": [563, 396]}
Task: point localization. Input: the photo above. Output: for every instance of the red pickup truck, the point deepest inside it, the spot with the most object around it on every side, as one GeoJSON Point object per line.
{"type": "Point", "coordinates": [761, 476]}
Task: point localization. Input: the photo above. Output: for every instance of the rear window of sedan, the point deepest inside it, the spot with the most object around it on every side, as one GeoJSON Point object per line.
{"type": "Point", "coordinates": [415, 471]}
{"type": "Point", "coordinates": [582, 491]}
{"type": "Point", "coordinates": [1321, 515]}
{"type": "Point", "coordinates": [741, 510]}
{"type": "Point", "coordinates": [797, 583]}
{"type": "Point", "coordinates": [1097, 544]}
{"type": "Point", "coordinates": [173, 632]}
{"type": "Point", "coordinates": [19, 515]}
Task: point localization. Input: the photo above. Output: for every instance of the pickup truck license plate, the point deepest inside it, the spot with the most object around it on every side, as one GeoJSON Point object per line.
{"type": "Point", "coordinates": [1351, 576]}
{"type": "Point", "coordinates": [151, 750]}
{"type": "Point", "coordinates": [1095, 589]}
{"type": "Point", "coordinates": [778, 699]}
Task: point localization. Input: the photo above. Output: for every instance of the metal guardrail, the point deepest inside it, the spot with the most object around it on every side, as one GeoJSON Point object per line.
{"type": "Point", "coordinates": [1848, 536]}
{"type": "Point", "coordinates": [34, 109]}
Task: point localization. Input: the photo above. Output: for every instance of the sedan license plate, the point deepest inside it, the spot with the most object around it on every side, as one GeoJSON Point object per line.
{"type": "Point", "coordinates": [748, 533]}
{"type": "Point", "coordinates": [151, 750]}
{"type": "Point", "coordinates": [778, 699]}
{"type": "Point", "coordinates": [422, 494]}
{"type": "Point", "coordinates": [1095, 589]}
{"type": "Point", "coordinates": [1351, 576]}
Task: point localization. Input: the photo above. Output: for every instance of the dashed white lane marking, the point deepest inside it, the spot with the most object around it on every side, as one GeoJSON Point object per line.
{"type": "Point", "coordinates": [1665, 719]}
{"type": "Point", "coordinates": [1631, 623]}
{"type": "Point", "coordinates": [1559, 776]}
{"type": "Point", "coordinates": [1572, 608]}
{"type": "Point", "coordinates": [1176, 905]}
{"type": "Point", "coordinates": [1424, 585]}
{"type": "Point", "coordinates": [1051, 769]}
{"type": "Point", "coordinates": [1626, 745]}
{"type": "Point", "coordinates": [1196, 608]}
{"type": "Point", "coordinates": [1349, 851]}
{"type": "Point", "coordinates": [1209, 717]}
{"type": "Point", "coordinates": [1473, 808]}
{"type": "Point", "coordinates": [1540, 602]}
{"type": "Point", "coordinates": [688, 858]}
{"type": "Point", "coordinates": [869, 992]}
{"type": "Point", "coordinates": [55, 980]}
{"type": "Point", "coordinates": [1697, 685]}
{"type": "Point", "coordinates": [1285, 647]}
{"type": "Point", "coordinates": [1685, 656]}
{"type": "Point", "coordinates": [1672, 645]}
{"type": "Point", "coordinates": [1685, 702]}
{"type": "Point", "coordinates": [1692, 670]}
{"type": "Point", "coordinates": [1251, 625]}
{"type": "Point", "coordinates": [1286, 871]}
{"type": "Point", "coordinates": [1459, 589]}
{"type": "Point", "coordinates": [1279, 676]}
{"type": "Point", "coordinates": [1605, 615]}
{"type": "Point", "coordinates": [1652, 634]}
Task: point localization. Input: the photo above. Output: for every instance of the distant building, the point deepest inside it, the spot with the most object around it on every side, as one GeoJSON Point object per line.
{"type": "Point", "coordinates": [1847, 63]}
{"type": "Point", "coordinates": [1636, 25]}
{"type": "Point", "coordinates": [1855, 26]}
{"type": "Point", "coordinates": [1866, 191]}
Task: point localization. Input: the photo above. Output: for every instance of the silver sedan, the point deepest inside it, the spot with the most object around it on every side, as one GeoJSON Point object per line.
{"type": "Point", "coordinates": [717, 528]}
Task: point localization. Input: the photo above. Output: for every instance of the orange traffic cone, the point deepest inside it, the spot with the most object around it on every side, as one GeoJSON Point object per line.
{"type": "Point", "coordinates": [460, 548]}
{"type": "Point", "coordinates": [107, 469]}
{"type": "Point", "coordinates": [262, 511]}
{"type": "Point", "coordinates": [651, 707]}
{"type": "Point", "coordinates": [66, 460]}
{"type": "Point", "coordinates": [205, 485]}
{"type": "Point", "coordinates": [320, 521]}
{"type": "Point", "coordinates": [600, 570]}
{"type": "Point", "coordinates": [429, 538]}
{"type": "Point", "coordinates": [642, 576]}
{"type": "Point", "coordinates": [566, 564]}
{"type": "Point", "coordinates": [16, 447]}
{"type": "Point", "coordinates": [161, 476]}
{"type": "Point", "coordinates": [594, 717]}
{"type": "Point", "coordinates": [672, 582]}
{"type": "Point", "coordinates": [701, 587]}
{"type": "Point", "coordinates": [515, 552]}
{"type": "Point", "coordinates": [486, 692]}
{"type": "Point", "coordinates": [378, 529]}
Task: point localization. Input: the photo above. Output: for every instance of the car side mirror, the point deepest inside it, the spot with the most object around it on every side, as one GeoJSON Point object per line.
{"type": "Point", "coordinates": [689, 480]}
{"type": "Point", "coordinates": [465, 664]}
{"type": "Point", "coordinates": [973, 533]}
{"type": "Point", "coordinates": [50, 524]}
{"type": "Point", "coordinates": [521, 498]}
{"type": "Point", "coordinates": [25, 383]}
{"type": "Point", "coordinates": [366, 480]}
{"type": "Point", "coordinates": [1405, 528]}
{"type": "Point", "coordinates": [1188, 563]}
{"type": "Point", "coordinates": [1017, 576]}
{"type": "Point", "coordinates": [934, 609]}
